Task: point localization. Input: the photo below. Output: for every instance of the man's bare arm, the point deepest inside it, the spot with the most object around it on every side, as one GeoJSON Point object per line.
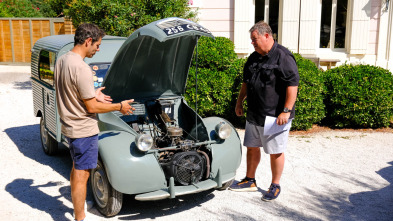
{"type": "Point", "coordinates": [239, 104]}
{"type": "Point", "coordinates": [93, 106]}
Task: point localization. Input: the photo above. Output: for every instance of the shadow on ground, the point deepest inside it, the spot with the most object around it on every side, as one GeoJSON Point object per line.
{"type": "Point", "coordinates": [336, 203]}
{"type": "Point", "coordinates": [25, 85]}
{"type": "Point", "coordinates": [377, 204]}
{"type": "Point", "coordinates": [26, 192]}
{"type": "Point", "coordinates": [27, 140]}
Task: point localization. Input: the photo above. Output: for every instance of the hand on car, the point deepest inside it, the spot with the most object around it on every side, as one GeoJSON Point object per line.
{"type": "Point", "coordinates": [101, 97]}
{"type": "Point", "coordinates": [126, 108]}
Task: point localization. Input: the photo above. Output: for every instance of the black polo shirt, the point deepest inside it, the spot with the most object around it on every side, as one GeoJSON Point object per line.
{"type": "Point", "coordinates": [267, 79]}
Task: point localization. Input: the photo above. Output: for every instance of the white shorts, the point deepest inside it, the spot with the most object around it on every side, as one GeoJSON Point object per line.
{"type": "Point", "coordinates": [273, 144]}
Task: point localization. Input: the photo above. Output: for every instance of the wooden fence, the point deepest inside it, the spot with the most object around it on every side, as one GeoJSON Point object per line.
{"type": "Point", "coordinates": [18, 35]}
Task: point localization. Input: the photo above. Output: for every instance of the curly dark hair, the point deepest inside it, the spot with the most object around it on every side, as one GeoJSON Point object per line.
{"type": "Point", "coordinates": [87, 30]}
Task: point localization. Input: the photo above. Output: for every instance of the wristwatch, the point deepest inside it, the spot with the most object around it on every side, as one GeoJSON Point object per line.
{"type": "Point", "coordinates": [286, 110]}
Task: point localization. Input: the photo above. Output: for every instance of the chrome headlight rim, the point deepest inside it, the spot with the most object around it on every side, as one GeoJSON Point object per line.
{"type": "Point", "coordinates": [223, 130]}
{"type": "Point", "coordinates": [144, 142]}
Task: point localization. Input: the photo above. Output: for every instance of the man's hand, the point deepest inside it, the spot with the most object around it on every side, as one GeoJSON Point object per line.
{"type": "Point", "coordinates": [283, 118]}
{"type": "Point", "coordinates": [126, 108]}
{"type": "Point", "coordinates": [239, 109]}
{"type": "Point", "coordinates": [101, 97]}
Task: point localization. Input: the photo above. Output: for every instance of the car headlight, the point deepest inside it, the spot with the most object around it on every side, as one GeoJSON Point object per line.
{"type": "Point", "coordinates": [144, 142]}
{"type": "Point", "coordinates": [223, 130]}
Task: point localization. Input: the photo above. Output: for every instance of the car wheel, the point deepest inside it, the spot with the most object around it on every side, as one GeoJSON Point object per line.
{"type": "Point", "coordinates": [49, 145]}
{"type": "Point", "coordinates": [108, 200]}
{"type": "Point", "coordinates": [226, 185]}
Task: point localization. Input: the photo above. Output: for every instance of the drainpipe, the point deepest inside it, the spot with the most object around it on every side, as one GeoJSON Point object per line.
{"type": "Point", "coordinates": [298, 33]}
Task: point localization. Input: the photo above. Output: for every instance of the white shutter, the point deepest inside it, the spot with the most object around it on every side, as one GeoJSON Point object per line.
{"type": "Point", "coordinates": [242, 26]}
{"type": "Point", "coordinates": [289, 18]}
{"type": "Point", "coordinates": [358, 30]}
{"type": "Point", "coordinates": [308, 35]}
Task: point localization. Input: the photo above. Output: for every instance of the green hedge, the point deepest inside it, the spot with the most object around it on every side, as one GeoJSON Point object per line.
{"type": "Point", "coordinates": [219, 77]}
{"type": "Point", "coordinates": [347, 96]}
{"type": "Point", "coordinates": [310, 108]}
{"type": "Point", "coordinates": [359, 96]}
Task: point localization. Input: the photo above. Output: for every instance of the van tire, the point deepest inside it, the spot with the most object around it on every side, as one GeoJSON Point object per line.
{"type": "Point", "coordinates": [49, 145]}
{"type": "Point", "coordinates": [108, 200]}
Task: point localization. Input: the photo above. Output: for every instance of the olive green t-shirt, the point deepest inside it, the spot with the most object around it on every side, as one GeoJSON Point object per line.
{"type": "Point", "coordinates": [73, 83]}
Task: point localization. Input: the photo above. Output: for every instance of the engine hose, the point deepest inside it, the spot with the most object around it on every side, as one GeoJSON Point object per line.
{"type": "Point", "coordinates": [207, 163]}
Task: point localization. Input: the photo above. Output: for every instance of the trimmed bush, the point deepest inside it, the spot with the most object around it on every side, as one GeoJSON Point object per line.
{"type": "Point", "coordinates": [219, 77]}
{"type": "Point", "coordinates": [359, 96]}
{"type": "Point", "coordinates": [310, 108]}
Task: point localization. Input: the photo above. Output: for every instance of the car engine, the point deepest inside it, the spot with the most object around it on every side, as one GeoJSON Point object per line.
{"type": "Point", "coordinates": [178, 146]}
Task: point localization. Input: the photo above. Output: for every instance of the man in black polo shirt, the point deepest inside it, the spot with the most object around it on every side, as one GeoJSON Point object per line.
{"type": "Point", "coordinates": [270, 85]}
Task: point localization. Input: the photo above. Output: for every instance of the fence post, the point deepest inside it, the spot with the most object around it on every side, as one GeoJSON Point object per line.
{"type": "Point", "coordinates": [31, 33]}
{"type": "Point", "coordinates": [12, 41]}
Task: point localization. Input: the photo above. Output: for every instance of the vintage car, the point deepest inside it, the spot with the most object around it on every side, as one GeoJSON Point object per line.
{"type": "Point", "coordinates": [164, 149]}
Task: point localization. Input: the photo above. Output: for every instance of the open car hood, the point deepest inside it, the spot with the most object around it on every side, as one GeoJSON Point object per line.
{"type": "Point", "coordinates": [154, 60]}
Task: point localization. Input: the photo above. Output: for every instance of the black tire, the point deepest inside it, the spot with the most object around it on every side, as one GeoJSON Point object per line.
{"type": "Point", "coordinates": [226, 185]}
{"type": "Point", "coordinates": [108, 200]}
{"type": "Point", "coordinates": [49, 145]}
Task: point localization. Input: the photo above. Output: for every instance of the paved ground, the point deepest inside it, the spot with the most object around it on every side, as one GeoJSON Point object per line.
{"type": "Point", "coordinates": [329, 175]}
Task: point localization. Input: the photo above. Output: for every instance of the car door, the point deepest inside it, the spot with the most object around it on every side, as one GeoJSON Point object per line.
{"type": "Point", "coordinates": [46, 67]}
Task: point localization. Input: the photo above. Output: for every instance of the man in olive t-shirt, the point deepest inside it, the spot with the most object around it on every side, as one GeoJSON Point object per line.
{"type": "Point", "coordinates": [75, 84]}
{"type": "Point", "coordinates": [78, 103]}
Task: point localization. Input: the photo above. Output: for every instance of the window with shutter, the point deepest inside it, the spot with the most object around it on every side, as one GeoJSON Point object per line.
{"type": "Point", "coordinates": [333, 24]}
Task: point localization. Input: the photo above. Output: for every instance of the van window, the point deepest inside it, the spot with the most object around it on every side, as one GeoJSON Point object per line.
{"type": "Point", "coordinates": [99, 72]}
{"type": "Point", "coordinates": [47, 66]}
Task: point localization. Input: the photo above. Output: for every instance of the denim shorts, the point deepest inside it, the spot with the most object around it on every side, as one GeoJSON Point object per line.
{"type": "Point", "coordinates": [272, 144]}
{"type": "Point", "coordinates": [84, 152]}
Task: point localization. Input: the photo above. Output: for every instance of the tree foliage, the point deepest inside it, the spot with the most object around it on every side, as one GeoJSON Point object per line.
{"type": "Point", "coordinates": [32, 8]}
{"type": "Point", "coordinates": [19, 8]}
{"type": "Point", "coordinates": [121, 17]}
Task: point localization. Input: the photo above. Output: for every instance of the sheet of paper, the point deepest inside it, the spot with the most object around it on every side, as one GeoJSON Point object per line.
{"type": "Point", "coordinates": [271, 126]}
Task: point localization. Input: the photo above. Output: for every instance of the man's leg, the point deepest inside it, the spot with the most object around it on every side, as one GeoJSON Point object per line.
{"type": "Point", "coordinates": [249, 182]}
{"type": "Point", "coordinates": [277, 162]}
{"type": "Point", "coordinates": [78, 191]}
{"type": "Point", "coordinates": [277, 166]}
{"type": "Point", "coordinates": [253, 158]}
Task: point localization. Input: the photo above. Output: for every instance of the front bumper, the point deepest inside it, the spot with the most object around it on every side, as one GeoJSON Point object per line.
{"type": "Point", "coordinates": [172, 191]}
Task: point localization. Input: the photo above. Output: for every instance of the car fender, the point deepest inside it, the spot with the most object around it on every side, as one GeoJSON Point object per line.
{"type": "Point", "coordinates": [226, 154]}
{"type": "Point", "coordinates": [129, 170]}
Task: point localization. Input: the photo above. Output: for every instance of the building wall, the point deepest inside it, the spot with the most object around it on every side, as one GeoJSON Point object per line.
{"type": "Point", "coordinates": [372, 48]}
{"type": "Point", "coordinates": [216, 15]}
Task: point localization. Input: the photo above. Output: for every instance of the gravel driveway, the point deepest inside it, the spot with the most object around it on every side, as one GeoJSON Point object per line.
{"type": "Point", "coordinates": [329, 175]}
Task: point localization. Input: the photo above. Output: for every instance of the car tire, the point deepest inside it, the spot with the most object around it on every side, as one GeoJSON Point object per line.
{"type": "Point", "coordinates": [49, 145]}
{"type": "Point", "coordinates": [108, 200]}
{"type": "Point", "coordinates": [226, 185]}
